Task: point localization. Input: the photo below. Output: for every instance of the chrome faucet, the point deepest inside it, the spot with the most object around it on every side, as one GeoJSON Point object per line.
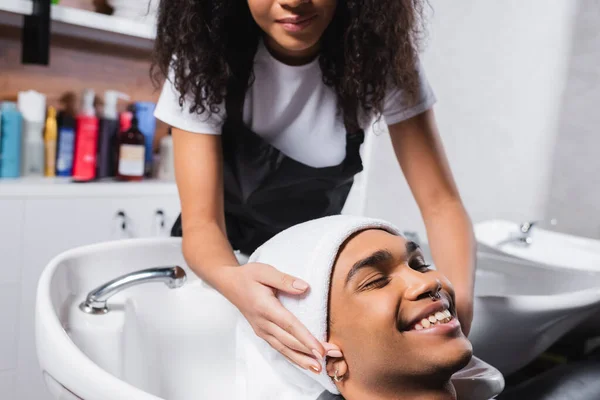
{"type": "Point", "coordinates": [523, 237]}
{"type": "Point", "coordinates": [95, 302]}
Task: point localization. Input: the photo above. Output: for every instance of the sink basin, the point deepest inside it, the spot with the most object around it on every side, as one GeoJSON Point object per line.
{"type": "Point", "coordinates": [522, 308]}
{"type": "Point", "coordinates": [547, 247]}
{"type": "Point", "coordinates": [155, 342]}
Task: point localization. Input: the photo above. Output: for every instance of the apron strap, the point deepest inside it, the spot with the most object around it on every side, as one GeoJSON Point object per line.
{"type": "Point", "coordinates": [234, 100]}
{"type": "Point", "coordinates": [237, 86]}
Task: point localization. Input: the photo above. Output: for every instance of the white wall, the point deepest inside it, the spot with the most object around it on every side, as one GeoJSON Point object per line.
{"type": "Point", "coordinates": [498, 69]}
{"type": "Point", "coordinates": [575, 184]}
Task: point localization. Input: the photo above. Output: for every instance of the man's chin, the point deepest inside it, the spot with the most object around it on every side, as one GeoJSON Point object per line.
{"type": "Point", "coordinates": [465, 358]}
{"type": "Point", "coordinates": [455, 357]}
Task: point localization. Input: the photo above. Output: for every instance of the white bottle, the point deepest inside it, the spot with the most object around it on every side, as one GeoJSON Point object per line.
{"type": "Point", "coordinates": [166, 166]}
{"type": "Point", "coordinates": [32, 105]}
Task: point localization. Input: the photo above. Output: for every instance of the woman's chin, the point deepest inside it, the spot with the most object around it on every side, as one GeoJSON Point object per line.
{"type": "Point", "coordinates": [295, 46]}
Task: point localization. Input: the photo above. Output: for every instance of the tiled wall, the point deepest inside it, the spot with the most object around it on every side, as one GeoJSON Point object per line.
{"type": "Point", "coordinates": [574, 196]}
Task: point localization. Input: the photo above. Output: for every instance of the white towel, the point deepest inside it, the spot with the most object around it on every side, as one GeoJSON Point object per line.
{"type": "Point", "coordinates": [307, 251]}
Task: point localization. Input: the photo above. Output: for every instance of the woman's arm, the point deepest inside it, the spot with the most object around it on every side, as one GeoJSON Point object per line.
{"type": "Point", "coordinates": [198, 173]}
{"type": "Point", "coordinates": [421, 156]}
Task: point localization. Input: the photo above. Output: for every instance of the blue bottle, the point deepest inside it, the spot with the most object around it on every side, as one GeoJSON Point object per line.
{"type": "Point", "coordinates": [11, 126]}
{"type": "Point", "coordinates": [144, 111]}
{"type": "Point", "coordinates": [65, 145]}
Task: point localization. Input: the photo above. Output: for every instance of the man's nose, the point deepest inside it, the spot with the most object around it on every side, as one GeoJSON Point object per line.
{"type": "Point", "coordinates": [422, 285]}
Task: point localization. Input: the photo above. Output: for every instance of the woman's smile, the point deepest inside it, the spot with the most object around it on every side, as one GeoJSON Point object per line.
{"type": "Point", "coordinates": [297, 23]}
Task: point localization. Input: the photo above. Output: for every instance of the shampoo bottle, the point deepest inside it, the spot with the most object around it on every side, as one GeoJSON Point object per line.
{"type": "Point", "coordinates": [32, 106]}
{"type": "Point", "coordinates": [144, 112]}
{"type": "Point", "coordinates": [86, 140]}
{"type": "Point", "coordinates": [132, 148]}
{"type": "Point", "coordinates": [11, 125]}
{"type": "Point", "coordinates": [166, 165]}
{"type": "Point", "coordinates": [66, 144]}
{"type": "Point", "coordinates": [50, 136]}
{"type": "Point", "coordinates": [109, 130]}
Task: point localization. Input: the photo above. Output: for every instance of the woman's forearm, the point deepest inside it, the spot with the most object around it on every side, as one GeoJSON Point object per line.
{"type": "Point", "coordinates": [453, 248]}
{"type": "Point", "coordinates": [209, 254]}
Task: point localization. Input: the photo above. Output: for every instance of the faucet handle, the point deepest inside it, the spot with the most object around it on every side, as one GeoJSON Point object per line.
{"type": "Point", "coordinates": [525, 227]}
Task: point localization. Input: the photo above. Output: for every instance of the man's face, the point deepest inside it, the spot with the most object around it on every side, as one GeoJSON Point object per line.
{"type": "Point", "coordinates": [382, 315]}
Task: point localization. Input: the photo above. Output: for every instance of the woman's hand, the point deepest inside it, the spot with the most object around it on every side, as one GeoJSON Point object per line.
{"type": "Point", "coordinates": [252, 289]}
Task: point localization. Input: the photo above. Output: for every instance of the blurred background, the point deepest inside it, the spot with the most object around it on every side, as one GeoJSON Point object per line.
{"type": "Point", "coordinates": [518, 86]}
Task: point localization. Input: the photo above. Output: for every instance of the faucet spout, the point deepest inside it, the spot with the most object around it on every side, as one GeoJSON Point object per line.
{"type": "Point", "coordinates": [95, 302]}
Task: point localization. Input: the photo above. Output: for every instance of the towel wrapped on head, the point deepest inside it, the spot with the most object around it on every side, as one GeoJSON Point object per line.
{"type": "Point", "coordinates": [307, 251]}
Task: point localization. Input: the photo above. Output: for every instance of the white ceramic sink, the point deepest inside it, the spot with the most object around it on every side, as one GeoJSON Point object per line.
{"type": "Point", "coordinates": [155, 342]}
{"type": "Point", "coordinates": [547, 247]}
{"type": "Point", "coordinates": [522, 308]}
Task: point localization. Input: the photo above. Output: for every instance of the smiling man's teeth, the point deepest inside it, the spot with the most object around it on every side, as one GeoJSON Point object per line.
{"type": "Point", "coordinates": [440, 317]}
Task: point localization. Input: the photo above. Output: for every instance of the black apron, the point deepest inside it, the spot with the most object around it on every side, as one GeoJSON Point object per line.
{"type": "Point", "coordinates": [265, 191]}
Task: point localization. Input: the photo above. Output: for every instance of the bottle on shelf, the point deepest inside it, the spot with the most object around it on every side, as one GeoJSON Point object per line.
{"type": "Point", "coordinates": [66, 135]}
{"type": "Point", "coordinates": [109, 130]}
{"type": "Point", "coordinates": [50, 137]}
{"type": "Point", "coordinates": [32, 106]}
{"type": "Point", "coordinates": [11, 125]}
{"type": "Point", "coordinates": [131, 151]}
{"type": "Point", "coordinates": [166, 164]}
{"type": "Point", "coordinates": [86, 140]}
{"type": "Point", "coordinates": [66, 145]}
{"type": "Point", "coordinates": [144, 112]}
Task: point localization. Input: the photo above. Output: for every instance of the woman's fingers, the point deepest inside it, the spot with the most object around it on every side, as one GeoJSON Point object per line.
{"type": "Point", "coordinates": [301, 359]}
{"type": "Point", "coordinates": [332, 350]}
{"type": "Point", "coordinates": [287, 321]}
{"type": "Point", "coordinates": [270, 276]}
{"type": "Point", "coordinates": [287, 339]}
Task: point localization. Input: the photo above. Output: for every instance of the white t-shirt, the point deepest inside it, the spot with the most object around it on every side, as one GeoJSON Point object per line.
{"type": "Point", "coordinates": [292, 109]}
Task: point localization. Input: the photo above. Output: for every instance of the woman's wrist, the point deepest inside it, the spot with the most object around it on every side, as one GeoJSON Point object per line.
{"type": "Point", "coordinates": [224, 280]}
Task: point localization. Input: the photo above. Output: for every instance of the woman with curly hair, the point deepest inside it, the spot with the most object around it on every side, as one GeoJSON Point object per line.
{"type": "Point", "coordinates": [268, 100]}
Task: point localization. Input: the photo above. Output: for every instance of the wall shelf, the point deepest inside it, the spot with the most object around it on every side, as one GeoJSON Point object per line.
{"type": "Point", "coordinates": [84, 24]}
{"type": "Point", "coordinates": [64, 187]}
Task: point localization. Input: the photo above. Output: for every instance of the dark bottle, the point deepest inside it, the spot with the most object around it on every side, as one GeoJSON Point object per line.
{"type": "Point", "coordinates": [109, 130]}
{"type": "Point", "coordinates": [132, 151]}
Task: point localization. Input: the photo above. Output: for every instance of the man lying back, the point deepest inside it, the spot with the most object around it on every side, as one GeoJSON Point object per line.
{"type": "Point", "coordinates": [373, 296]}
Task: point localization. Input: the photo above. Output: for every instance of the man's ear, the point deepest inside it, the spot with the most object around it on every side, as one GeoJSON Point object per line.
{"type": "Point", "coordinates": [337, 366]}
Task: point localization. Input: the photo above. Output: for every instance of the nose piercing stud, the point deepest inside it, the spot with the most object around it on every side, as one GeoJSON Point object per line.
{"type": "Point", "coordinates": [435, 296]}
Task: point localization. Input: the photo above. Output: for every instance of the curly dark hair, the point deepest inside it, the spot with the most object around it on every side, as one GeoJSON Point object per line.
{"type": "Point", "coordinates": [369, 45]}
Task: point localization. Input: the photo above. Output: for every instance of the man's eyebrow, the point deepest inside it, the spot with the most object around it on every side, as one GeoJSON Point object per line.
{"type": "Point", "coordinates": [374, 260]}
{"type": "Point", "coordinates": [377, 259]}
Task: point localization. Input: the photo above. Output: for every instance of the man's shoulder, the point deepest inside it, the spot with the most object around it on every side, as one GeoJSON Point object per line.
{"type": "Point", "coordinates": [328, 396]}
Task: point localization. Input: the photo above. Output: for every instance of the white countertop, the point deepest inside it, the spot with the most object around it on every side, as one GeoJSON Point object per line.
{"type": "Point", "coordinates": [64, 187]}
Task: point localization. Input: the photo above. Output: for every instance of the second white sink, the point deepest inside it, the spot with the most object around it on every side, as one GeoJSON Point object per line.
{"type": "Point", "coordinates": [546, 247]}
{"type": "Point", "coordinates": [522, 308]}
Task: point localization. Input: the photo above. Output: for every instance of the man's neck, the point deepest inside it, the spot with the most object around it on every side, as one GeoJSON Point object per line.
{"type": "Point", "coordinates": [430, 391]}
